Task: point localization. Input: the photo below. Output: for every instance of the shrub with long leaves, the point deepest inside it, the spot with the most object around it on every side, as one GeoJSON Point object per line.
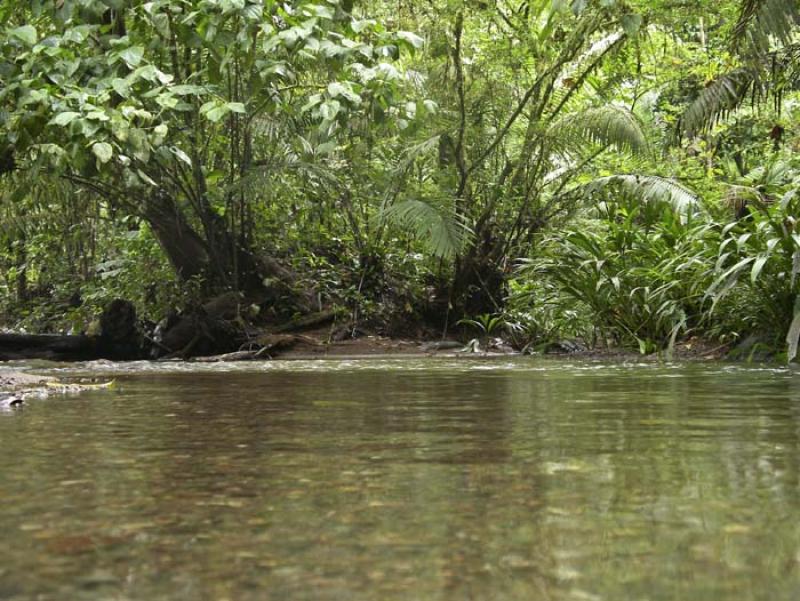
{"type": "Point", "coordinates": [640, 270]}
{"type": "Point", "coordinates": [759, 258]}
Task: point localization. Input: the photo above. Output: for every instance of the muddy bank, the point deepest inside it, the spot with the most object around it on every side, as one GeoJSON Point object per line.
{"type": "Point", "coordinates": [313, 345]}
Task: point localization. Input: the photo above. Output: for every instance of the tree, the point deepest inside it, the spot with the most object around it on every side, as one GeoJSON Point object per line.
{"type": "Point", "coordinates": [182, 113]}
{"type": "Point", "coordinates": [524, 109]}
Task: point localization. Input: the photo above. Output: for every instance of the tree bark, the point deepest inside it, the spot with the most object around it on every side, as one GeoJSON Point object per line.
{"type": "Point", "coordinates": [185, 249]}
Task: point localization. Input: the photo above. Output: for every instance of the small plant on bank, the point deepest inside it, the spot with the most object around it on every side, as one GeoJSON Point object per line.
{"type": "Point", "coordinates": [488, 326]}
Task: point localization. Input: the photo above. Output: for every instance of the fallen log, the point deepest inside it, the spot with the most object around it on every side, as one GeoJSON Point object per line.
{"type": "Point", "coordinates": [266, 346]}
{"type": "Point", "coordinates": [119, 339]}
{"type": "Point", "coordinates": [47, 346]}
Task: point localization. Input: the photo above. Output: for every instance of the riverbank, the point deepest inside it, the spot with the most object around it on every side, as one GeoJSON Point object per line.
{"type": "Point", "coordinates": [16, 386]}
{"type": "Point", "coordinates": [313, 345]}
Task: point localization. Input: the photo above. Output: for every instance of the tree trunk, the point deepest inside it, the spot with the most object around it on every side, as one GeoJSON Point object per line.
{"type": "Point", "coordinates": [479, 282]}
{"type": "Point", "coordinates": [219, 260]}
{"type": "Point", "coordinates": [21, 260]}
{"type": "Point", "coordinates": [185, 249]}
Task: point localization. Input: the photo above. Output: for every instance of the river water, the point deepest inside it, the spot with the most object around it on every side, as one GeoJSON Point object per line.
{"type": "Point", "coordinates": [406, 479]}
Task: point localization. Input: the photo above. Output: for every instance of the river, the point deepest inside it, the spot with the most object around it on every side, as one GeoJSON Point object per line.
{"type": "Point", "coordinates": [405, 479]}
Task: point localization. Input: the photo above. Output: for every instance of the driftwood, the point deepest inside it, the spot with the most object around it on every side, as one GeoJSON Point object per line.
{"type": "Point", "coordinates": [263, 347]}
{"type": "Point", "coordinates": [213, 328]}
{"type": "Point", "coordinates": [235, 356]}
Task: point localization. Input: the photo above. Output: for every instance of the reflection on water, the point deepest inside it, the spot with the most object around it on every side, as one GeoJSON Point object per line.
{"type": "Point", "coordinates": [406, 479]}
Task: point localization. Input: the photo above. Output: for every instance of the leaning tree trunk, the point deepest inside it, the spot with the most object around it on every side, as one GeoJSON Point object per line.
{"type": "Point", "coordinates": [186, 250]}
{"type": "Point", "coordinates": [219, 259]}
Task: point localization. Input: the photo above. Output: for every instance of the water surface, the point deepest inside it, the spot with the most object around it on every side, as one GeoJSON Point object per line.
{"type": "Point", "coordinates": [406, 479]}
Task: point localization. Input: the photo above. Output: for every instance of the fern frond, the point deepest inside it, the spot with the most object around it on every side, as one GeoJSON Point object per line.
{"type": "Point", "coordinates": [606, 126]}
{"type": "Point", "coordinates": [442, 231]}
{"type": "Point", "coordinates": [649, 188]}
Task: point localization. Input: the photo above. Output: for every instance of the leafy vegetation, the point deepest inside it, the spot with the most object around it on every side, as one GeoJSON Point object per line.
{"type": "Point", "coordinates": [600, 170]}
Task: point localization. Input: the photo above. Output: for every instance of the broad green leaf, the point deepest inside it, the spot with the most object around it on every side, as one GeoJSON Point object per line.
{"type": "Point", "coordinates": [313, 101]}
{"type": "Point", "coordinates": [77, 34]}
{"type": "Point", "coordinates": [758, 265]}
{"type": "Point", "coordinates": [793, 335]}
{"type": "Point", "coordinates": [132, 56]}
{"type": "Point", "coordinates": [631, 23]}
{"type": "Point", "coordinates": [410, 38]}
{"type": "Point", "coordinates": [430, 106]}
{"type": "Point", "coordinates": [121, 87]}
{"type": "Point", "coordinates": [337, 89]}
{"type": "Point", "coordinates": [97, 116]}
{"type": "Point", "coordinates": [578, 6]}
{"type": "Point", "coordinates": [103, 151]}
{"type": "Point", "coordinates": [181, 155]}
{"type": "Point", "coordinates": [145, 178]}
{"type": "Point", "coordinates": [63, 119]}
{"type": "Point", "coordinates": [559, 6]}
{"type": "Point", "coordinates": [26, 34]}
{"type": "Point", "coordinates": [187, 90]}
{"type": "Point", "coordinates": [795, 267]}
{"type": "Point", "coordinates": [329, 110]}
{"type": "Point", "coordinates": [167, 100]}
{"type": "Point", "coordinates": [217, 113]}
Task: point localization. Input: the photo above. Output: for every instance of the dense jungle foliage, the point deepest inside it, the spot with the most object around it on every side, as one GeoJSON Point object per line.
{"type": "Point", "coordinates": [621, 172]}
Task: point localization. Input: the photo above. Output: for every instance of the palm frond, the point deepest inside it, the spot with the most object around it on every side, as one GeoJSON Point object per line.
{"type": "Point", "coordinates": [606, 126]}
{"type": "Point", "coordinates": [765, 37]}
{"type": "Point", "coordinates": [737, 196]}
{"type": "Point", "coordinates": [720, 97]}
{"type": "Point", "coordinates": [412, 153]}
{"type": "Point", "coordinates": [283, 162]}
{"type": "Point", "coordinates": [649, 188]}
{"type": "Point", "coordinates": [442, 231]}
{"type": "Point", "coordinates": [761, 21]}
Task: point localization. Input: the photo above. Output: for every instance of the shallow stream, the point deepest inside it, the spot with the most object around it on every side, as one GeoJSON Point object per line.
{"type": "Point", "coordinates": [405, 479]}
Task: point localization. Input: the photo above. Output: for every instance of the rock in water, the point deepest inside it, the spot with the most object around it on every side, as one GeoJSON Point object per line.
{"type": "Point", "coordinates": [10, 400]}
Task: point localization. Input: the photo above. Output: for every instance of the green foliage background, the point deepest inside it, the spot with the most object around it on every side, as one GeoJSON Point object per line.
{"type": "Point", "coordinates": [619, 171]}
